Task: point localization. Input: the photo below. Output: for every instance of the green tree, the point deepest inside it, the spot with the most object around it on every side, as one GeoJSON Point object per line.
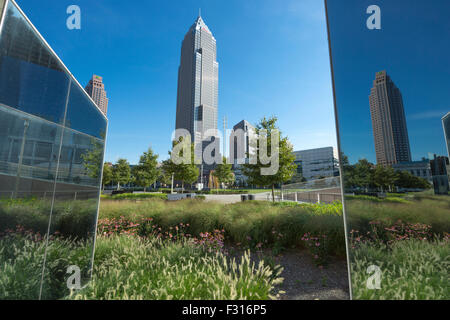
{"type": "Point", "coordinates": [107, 174]}
{"type": "Point", "coordinates": [384, 177]}
{"type": "Point", "coordinates": [363, 174]}
{"type": "Point", "coordinates": [224, 172]}
{"type": "Point", "coordinates": [184, 172]}
{"type": "Point", "coordinates": [348, 172]}
{"type": "Point", "coordinates": [286, 166]}
{"type": "Point", "coordinates": [92, 160]}
{"type": "Point", "coordinates": [121, 172]}
{"type": "Point", "coordinates": [146, 172]}
{"type": "Point", "coordinates": [406, 180]}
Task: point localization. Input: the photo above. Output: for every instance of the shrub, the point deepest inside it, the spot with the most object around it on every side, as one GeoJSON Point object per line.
{"type": "Point", "coordinates": [135, 196]}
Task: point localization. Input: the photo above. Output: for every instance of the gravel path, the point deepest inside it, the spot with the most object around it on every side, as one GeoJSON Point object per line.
{"type": "Point", "coordinates": [303, 280]}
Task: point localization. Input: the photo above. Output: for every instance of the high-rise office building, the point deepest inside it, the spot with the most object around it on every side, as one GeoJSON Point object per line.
{"type": "Point", "coordinates": [197, 96]}
{"type": "Point", "coordinates": [241, 149]}
{"type": "Point", "coordinates": [388, 121]}
{"type": "Point", "coordinates": [240, 146]}
{"type": "Point", "coordinates": [96, 89]}
{"type": "Point", "coordinates": [446, 125]}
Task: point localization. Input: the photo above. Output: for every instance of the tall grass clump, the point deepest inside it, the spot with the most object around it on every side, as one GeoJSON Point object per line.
{"type": "Point", "coordinates": [148, 268]}
{"type": "Point", "coordinates": [21, 262]}
{"type": "Point", "coordinates": [410, 270]}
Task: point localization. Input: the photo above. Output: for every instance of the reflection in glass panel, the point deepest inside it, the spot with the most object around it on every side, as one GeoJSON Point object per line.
{"type": "Point", "coordinates": [391, 77]}
{"type": "Point", "coordinates": [31, 78]}
{"type": "Point", "coordinates": [49, 173]}
{"type": "Point", "coordinates": [83, 115]}
{"type": "Point", "coordinates": [75, 206]}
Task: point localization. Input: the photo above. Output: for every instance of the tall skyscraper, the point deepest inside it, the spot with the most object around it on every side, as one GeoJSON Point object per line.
{"type": "Point", "coordinates": [197, 97]}
{"type": "Point", "coordinates": [388, 122]}
{"type": "Point", "coordinates": [446, 125]}
{"type": "Point", "coordinates": [96, 89]}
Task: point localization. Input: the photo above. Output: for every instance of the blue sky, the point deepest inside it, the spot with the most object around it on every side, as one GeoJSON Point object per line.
{"type": "Point", "coordinates": [273, 58]}
{"type": "Point", "coordinates": [413, 47]}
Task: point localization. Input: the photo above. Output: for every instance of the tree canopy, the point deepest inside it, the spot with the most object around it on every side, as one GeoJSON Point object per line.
{"type": "Point", "coordinates": [146, 172]}
{"type": "Point", "coordinates": [281, 153]}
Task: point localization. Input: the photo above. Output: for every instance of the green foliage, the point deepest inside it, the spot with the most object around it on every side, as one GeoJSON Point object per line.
{"type": "Point", "coordinates": [107, 174]}
{"type": "Point", "coordinates": [287, 168]}
{"type": "Point", "coordinates": [21, 260]}
{"type": "Point", "coordinates": [131, 196]}
{"type": "Point", "coordinates": [151, 269]}
{"type": "Point", "coordinates": [415, 208]}
{"type": "Point", "coordinates": [92, 160]}
{"type": "Point", "coordinates": [367, 175]}
{"type": "Point", "coordinates": [70, 218]}
{"type": "Point", "coordinates": [410, 270]}
{"type": "Point", "coordinates": [185, 172]}
{"type": "Point", "coordinates": [224, 172]}
{"type": "Point", "coordinates": [405, 179]}
{"type": "Point", "coordinates": [384, 177]}
{"type": "Point", "coordinates": [146, 172]}
{"type": "Point", "coordinates": [247, 224]}
{"type": "Point", "coordinates": [376, 199]}
{"type": "Point", "coordinates": [121, 172]}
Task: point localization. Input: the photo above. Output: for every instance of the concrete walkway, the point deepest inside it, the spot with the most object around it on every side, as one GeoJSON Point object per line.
{"type": "Point", "coordinates": [233, 198]}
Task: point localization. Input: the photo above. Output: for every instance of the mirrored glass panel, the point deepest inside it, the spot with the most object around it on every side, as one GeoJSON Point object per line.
{"type": "Point", "coordinates": [391, 86]}
{"type": "Point", "coordinates": [49, 173]}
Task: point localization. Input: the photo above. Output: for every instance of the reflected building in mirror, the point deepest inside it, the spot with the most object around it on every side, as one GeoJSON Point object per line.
{"type": "Point", "coordinates": [96, 90]}
{"type": "Point", "coordinates": [446, 126]}
{"type": "Point", "coordinates": [388, 121]}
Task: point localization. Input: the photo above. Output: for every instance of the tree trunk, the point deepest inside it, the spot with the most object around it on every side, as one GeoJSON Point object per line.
{"type": "Point", "coordinates": [118, 186]}
{"type": "Point", "coordinates": [145, 189]}
{"type": "Point", "coordinates": [273, 192]}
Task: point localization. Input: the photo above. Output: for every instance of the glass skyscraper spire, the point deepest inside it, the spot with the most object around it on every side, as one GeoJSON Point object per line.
{"type": "Point", "coordinates": [197, 97]}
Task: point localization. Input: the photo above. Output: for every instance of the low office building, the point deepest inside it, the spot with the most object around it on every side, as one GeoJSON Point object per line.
{"type": "Point", "coordinates": [317, 163]}
{"type": "Point", "coordinates": [421, 169]}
